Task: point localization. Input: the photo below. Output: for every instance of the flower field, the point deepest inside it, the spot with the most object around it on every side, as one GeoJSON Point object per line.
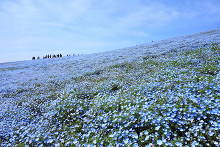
{"type": "Point", "coordinates": [169, 99]}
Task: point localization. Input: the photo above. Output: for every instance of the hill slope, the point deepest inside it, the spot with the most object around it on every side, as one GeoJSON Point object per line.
{"type": "Point", "coordinates": [135, 95]}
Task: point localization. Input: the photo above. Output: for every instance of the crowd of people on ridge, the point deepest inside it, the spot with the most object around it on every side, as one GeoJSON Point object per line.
{"type": "Point", "coordinates": [48, 56]}
{"type": "Point", "coordinates": [51, 56]}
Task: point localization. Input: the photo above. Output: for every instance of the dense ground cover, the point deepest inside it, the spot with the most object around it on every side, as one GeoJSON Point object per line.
{"type": "Point", "coordinates": [172, 99]}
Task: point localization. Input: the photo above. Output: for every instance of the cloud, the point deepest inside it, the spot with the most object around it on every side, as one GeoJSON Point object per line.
{"type": "Point", "coordinates": [150, 15]}
{"type": "Point", "coordinates": [94, 25]}
{"type": "Point", "coordinates": [69, 14]}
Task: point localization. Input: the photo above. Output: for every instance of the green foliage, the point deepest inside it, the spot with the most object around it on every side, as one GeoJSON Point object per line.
{"type": "Point", "coordinates": [153, 63]}
{"type": "Point", "coordinates": [12, 68]}
{"type": "Point", "coordinates": [182, 63]}
{"type": "Point", "coordinates": [209, 69]}
{"type": "Point", "coordinates": [20, 145]}
{"type": "Point", "coordinates": [215, 47]}
{"type": "Point", "coordinates": [96, 73]}
{"type": "Point", "coordinates": [125, 66]}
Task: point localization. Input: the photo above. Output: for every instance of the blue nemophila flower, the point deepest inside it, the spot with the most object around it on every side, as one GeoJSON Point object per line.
{"type": "Point", "coordinates": [159, 142]}
{"type": "Point", "coordinates": [126, 140]}
{"type": "Point", "coordinates": [194, 144]}
{"type": "Point", "coordinates": [179, 144]}
{"type": "Point", "coordinates": [157, 128]}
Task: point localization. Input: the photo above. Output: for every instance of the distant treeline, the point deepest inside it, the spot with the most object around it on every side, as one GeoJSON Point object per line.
{"type": "Point", "coordinates": [50, 56]}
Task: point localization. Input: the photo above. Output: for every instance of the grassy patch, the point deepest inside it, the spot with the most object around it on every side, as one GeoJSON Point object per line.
{"type": "Point", "coordinates": [12, 68]}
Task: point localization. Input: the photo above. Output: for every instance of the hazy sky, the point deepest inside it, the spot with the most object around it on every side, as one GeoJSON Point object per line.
{"type": "Point", "coordinates": [37, 27]}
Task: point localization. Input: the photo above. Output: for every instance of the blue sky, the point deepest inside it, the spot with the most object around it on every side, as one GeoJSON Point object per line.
{"type": "Point", "coordinates": [37, 27]}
